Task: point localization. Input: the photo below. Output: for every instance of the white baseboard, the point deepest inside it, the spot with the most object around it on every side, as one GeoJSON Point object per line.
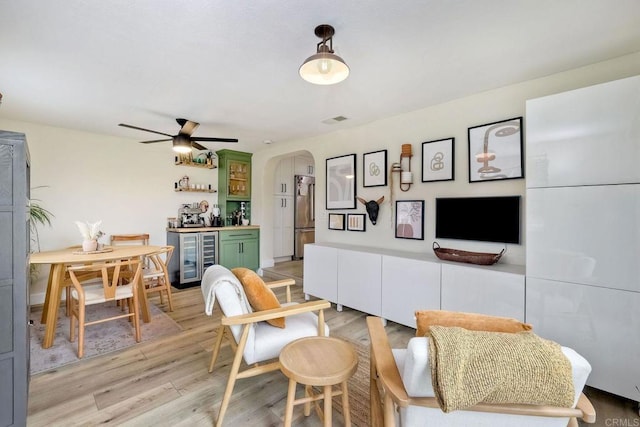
{"type": "Point", "coordinates": [38, 298]}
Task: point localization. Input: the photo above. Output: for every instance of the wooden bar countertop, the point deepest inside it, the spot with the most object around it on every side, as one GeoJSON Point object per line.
{"type": "Point", "coordinates": [204, 229]}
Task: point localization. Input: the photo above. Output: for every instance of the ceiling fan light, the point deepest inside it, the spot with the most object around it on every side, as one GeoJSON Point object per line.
{"type": "Point", "coordinates": [181, 149]}
{"type": "Point", "coordinates": [181, 144]}
{"type": "Point", "coordinates": [324, 69]}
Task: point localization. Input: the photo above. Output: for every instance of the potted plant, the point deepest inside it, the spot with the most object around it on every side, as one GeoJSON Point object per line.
{"type": "Point", "coordinates": [90, 234]}
{"type": "Point", "coordinates": [38, 215]}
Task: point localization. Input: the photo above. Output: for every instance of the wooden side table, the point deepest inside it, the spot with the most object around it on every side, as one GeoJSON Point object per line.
{"type": "Point", "coordinates": [322, 362]}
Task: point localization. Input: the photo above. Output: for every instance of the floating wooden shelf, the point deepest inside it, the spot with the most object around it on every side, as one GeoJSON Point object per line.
{"type": "Point", "coordinates": [195, 165]}
{"type": "Point", "coordinates": [195, 190]}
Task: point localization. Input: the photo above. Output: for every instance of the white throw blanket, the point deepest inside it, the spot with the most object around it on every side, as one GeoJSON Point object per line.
{"type": "Point", "coordinates": [213, 277]}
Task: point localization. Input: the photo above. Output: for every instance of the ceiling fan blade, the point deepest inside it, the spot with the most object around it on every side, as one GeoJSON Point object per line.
{"type": "Point", "coordinates": [143, 129]}
{"type": "Point", "coordinates": [198, 138]}
{"type": "Point", "coordinates": [198, 146]}
{"type": "Point", "coordinates": [155, 140]}
{"type": "Point", "coordinates": [187, 126]}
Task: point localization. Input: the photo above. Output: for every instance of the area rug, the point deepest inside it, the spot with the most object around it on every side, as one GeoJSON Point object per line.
{"type": "Point", "coordinates": [358, 385]}
{"type": "Point", "coordinates": [100, 339]}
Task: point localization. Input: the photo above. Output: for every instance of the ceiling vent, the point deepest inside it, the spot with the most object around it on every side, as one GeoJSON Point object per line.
{"type": "Point", "coordinates": [334, 120]}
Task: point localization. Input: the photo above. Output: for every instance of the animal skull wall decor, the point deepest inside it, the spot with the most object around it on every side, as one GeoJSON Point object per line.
{"type": "Point", "coordinates": [373, 207]}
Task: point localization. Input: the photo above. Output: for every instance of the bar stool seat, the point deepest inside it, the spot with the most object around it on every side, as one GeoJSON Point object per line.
{"type": "Point", "coordinates": [321, 362]}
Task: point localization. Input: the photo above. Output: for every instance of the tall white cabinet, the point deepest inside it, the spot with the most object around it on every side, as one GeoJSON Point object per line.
{"type": "Point", "coordinates": [283, 209]}
{"type": "Point", "coordinates": [583, 227]}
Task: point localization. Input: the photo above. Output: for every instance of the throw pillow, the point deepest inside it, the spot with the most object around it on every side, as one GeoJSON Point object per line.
{"type": "Point", "coordinates": [425, 319]}
{"type": "Point", "coordinates": [259, 295]}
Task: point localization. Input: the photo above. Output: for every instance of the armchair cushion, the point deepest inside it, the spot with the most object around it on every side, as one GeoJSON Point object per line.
{"type": "Point", "coordinates": [259, 295]}
{"type": "Point", "coordinates": [413, 364]}
{"type": "Point", "coordinates": [425, 319]}
{"type": "Point", "coordinates": [269, 341]}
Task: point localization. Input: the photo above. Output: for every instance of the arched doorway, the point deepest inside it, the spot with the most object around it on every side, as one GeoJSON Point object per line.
{"type": "Point", "coordinates": [294, 206]}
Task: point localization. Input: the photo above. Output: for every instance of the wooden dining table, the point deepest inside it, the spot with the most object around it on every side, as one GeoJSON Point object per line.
{"type": "Point", "coordinates": [61, 258]}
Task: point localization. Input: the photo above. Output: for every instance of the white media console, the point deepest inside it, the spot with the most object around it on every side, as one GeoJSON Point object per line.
{"type": "Point", "coordinates": [394, 284]}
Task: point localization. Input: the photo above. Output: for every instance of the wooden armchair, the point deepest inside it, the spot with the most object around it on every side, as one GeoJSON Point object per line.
{"type": "Point", "coordinates": [251, 338]}
{"type": "Point", "coordinates": [390, 398]}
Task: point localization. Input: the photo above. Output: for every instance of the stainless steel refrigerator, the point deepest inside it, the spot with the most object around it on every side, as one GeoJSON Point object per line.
{"type": "Point", "coordinates": [304, 214]}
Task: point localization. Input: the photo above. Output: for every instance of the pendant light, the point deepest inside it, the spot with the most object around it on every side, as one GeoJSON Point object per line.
{"type": "Point", "coordinates": [324, 68]}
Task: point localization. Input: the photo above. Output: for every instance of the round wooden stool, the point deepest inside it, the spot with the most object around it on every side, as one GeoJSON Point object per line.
{"type": "Point", "coordinates": [322, 362]}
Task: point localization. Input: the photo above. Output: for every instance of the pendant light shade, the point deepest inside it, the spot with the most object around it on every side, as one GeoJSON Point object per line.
{"type": "Point", "coordinates": [325, 67]}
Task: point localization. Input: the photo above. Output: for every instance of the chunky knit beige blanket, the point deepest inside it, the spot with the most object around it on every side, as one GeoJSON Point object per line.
{"type": "Point", "coordinates": [469, 367]}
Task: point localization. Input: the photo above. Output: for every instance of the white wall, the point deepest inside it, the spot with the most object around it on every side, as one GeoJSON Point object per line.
{"type": "Point", "coordinates": [442, 121]}
{"type": "Point", "coordinates": [129, 186]}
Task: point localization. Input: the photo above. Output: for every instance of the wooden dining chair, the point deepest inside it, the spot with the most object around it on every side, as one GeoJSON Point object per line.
{"type": "Point", "coordinates": [130, 239]}
{"type": "Point", "coordinates": [156, 277]}
{"type": "Point", "coordinates": [82, 277]}
{"type": "Point", "coordinates": [108, 289]}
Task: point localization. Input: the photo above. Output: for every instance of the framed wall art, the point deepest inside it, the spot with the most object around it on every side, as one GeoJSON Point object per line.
{"type": "Point", "coordinates": [438, 160]}
{"type": "Point", "coordinates": [374, 169]}
{"type": "Point", "coordinates": [341, 182]}
{"type": "Point", "coordinates": [356, 222]}
{"type": "Point", "coordinates": [410, 219]}
{"type": "Point", "coordinates": [336, 221]}
{"type": "Point", "coordinates": [495, 151]}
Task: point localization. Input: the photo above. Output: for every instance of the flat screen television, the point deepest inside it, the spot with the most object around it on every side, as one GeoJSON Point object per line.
{"type": "Point", "coordinates": [487, 219]}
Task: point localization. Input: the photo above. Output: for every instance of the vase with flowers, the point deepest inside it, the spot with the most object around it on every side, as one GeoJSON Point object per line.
{"type": "Point", "coordinates": [90, 233]}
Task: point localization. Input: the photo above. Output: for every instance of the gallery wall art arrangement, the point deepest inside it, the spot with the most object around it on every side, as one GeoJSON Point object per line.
{"type": "Point", "coordinates": [495, 152]}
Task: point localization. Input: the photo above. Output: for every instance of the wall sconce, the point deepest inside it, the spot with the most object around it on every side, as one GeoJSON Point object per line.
{"type": "Point", "coordinates": [406, 176]}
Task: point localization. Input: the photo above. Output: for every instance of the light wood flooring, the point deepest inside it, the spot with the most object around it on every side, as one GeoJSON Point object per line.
{"type": "Point", "coordinates": [166, 383]}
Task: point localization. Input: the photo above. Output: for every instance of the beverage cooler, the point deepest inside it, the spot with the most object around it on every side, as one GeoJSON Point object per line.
{"type": "Point", "coordinates": [194, 253]}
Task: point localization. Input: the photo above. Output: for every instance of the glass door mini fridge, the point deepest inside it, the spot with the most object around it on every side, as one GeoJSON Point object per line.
{"type": "Point", "coordinates": [195, 252]}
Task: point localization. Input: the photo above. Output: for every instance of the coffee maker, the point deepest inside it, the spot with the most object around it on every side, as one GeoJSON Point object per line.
{"type": "Point", "coordinates": [191, 216]}
{"type": "Point", "coordinates": [216, 219]}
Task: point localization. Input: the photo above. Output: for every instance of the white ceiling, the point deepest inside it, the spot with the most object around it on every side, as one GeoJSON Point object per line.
{"type": "Point", "coordinates": [233, 65]}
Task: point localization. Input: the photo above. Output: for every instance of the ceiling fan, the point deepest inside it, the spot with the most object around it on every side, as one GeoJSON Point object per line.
{"type": "Point", "coordinates": [183, 142]}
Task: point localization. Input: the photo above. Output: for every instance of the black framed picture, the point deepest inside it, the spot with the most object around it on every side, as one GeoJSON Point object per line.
{"type": "Point", "coordinates": [495, 151]}
{"type": "Point", "coordinates": [341, 182]}
{"type": "Point", "coordinates": [356, 222]}
{"type": "Point", "coordinates": [410, 219]}
{"type": "Point", "coordinates": [438, 160]}
{"type": "Point", "coordinates": [374, 169]}
{"type": "Point", "coordinates": [336, 221]}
